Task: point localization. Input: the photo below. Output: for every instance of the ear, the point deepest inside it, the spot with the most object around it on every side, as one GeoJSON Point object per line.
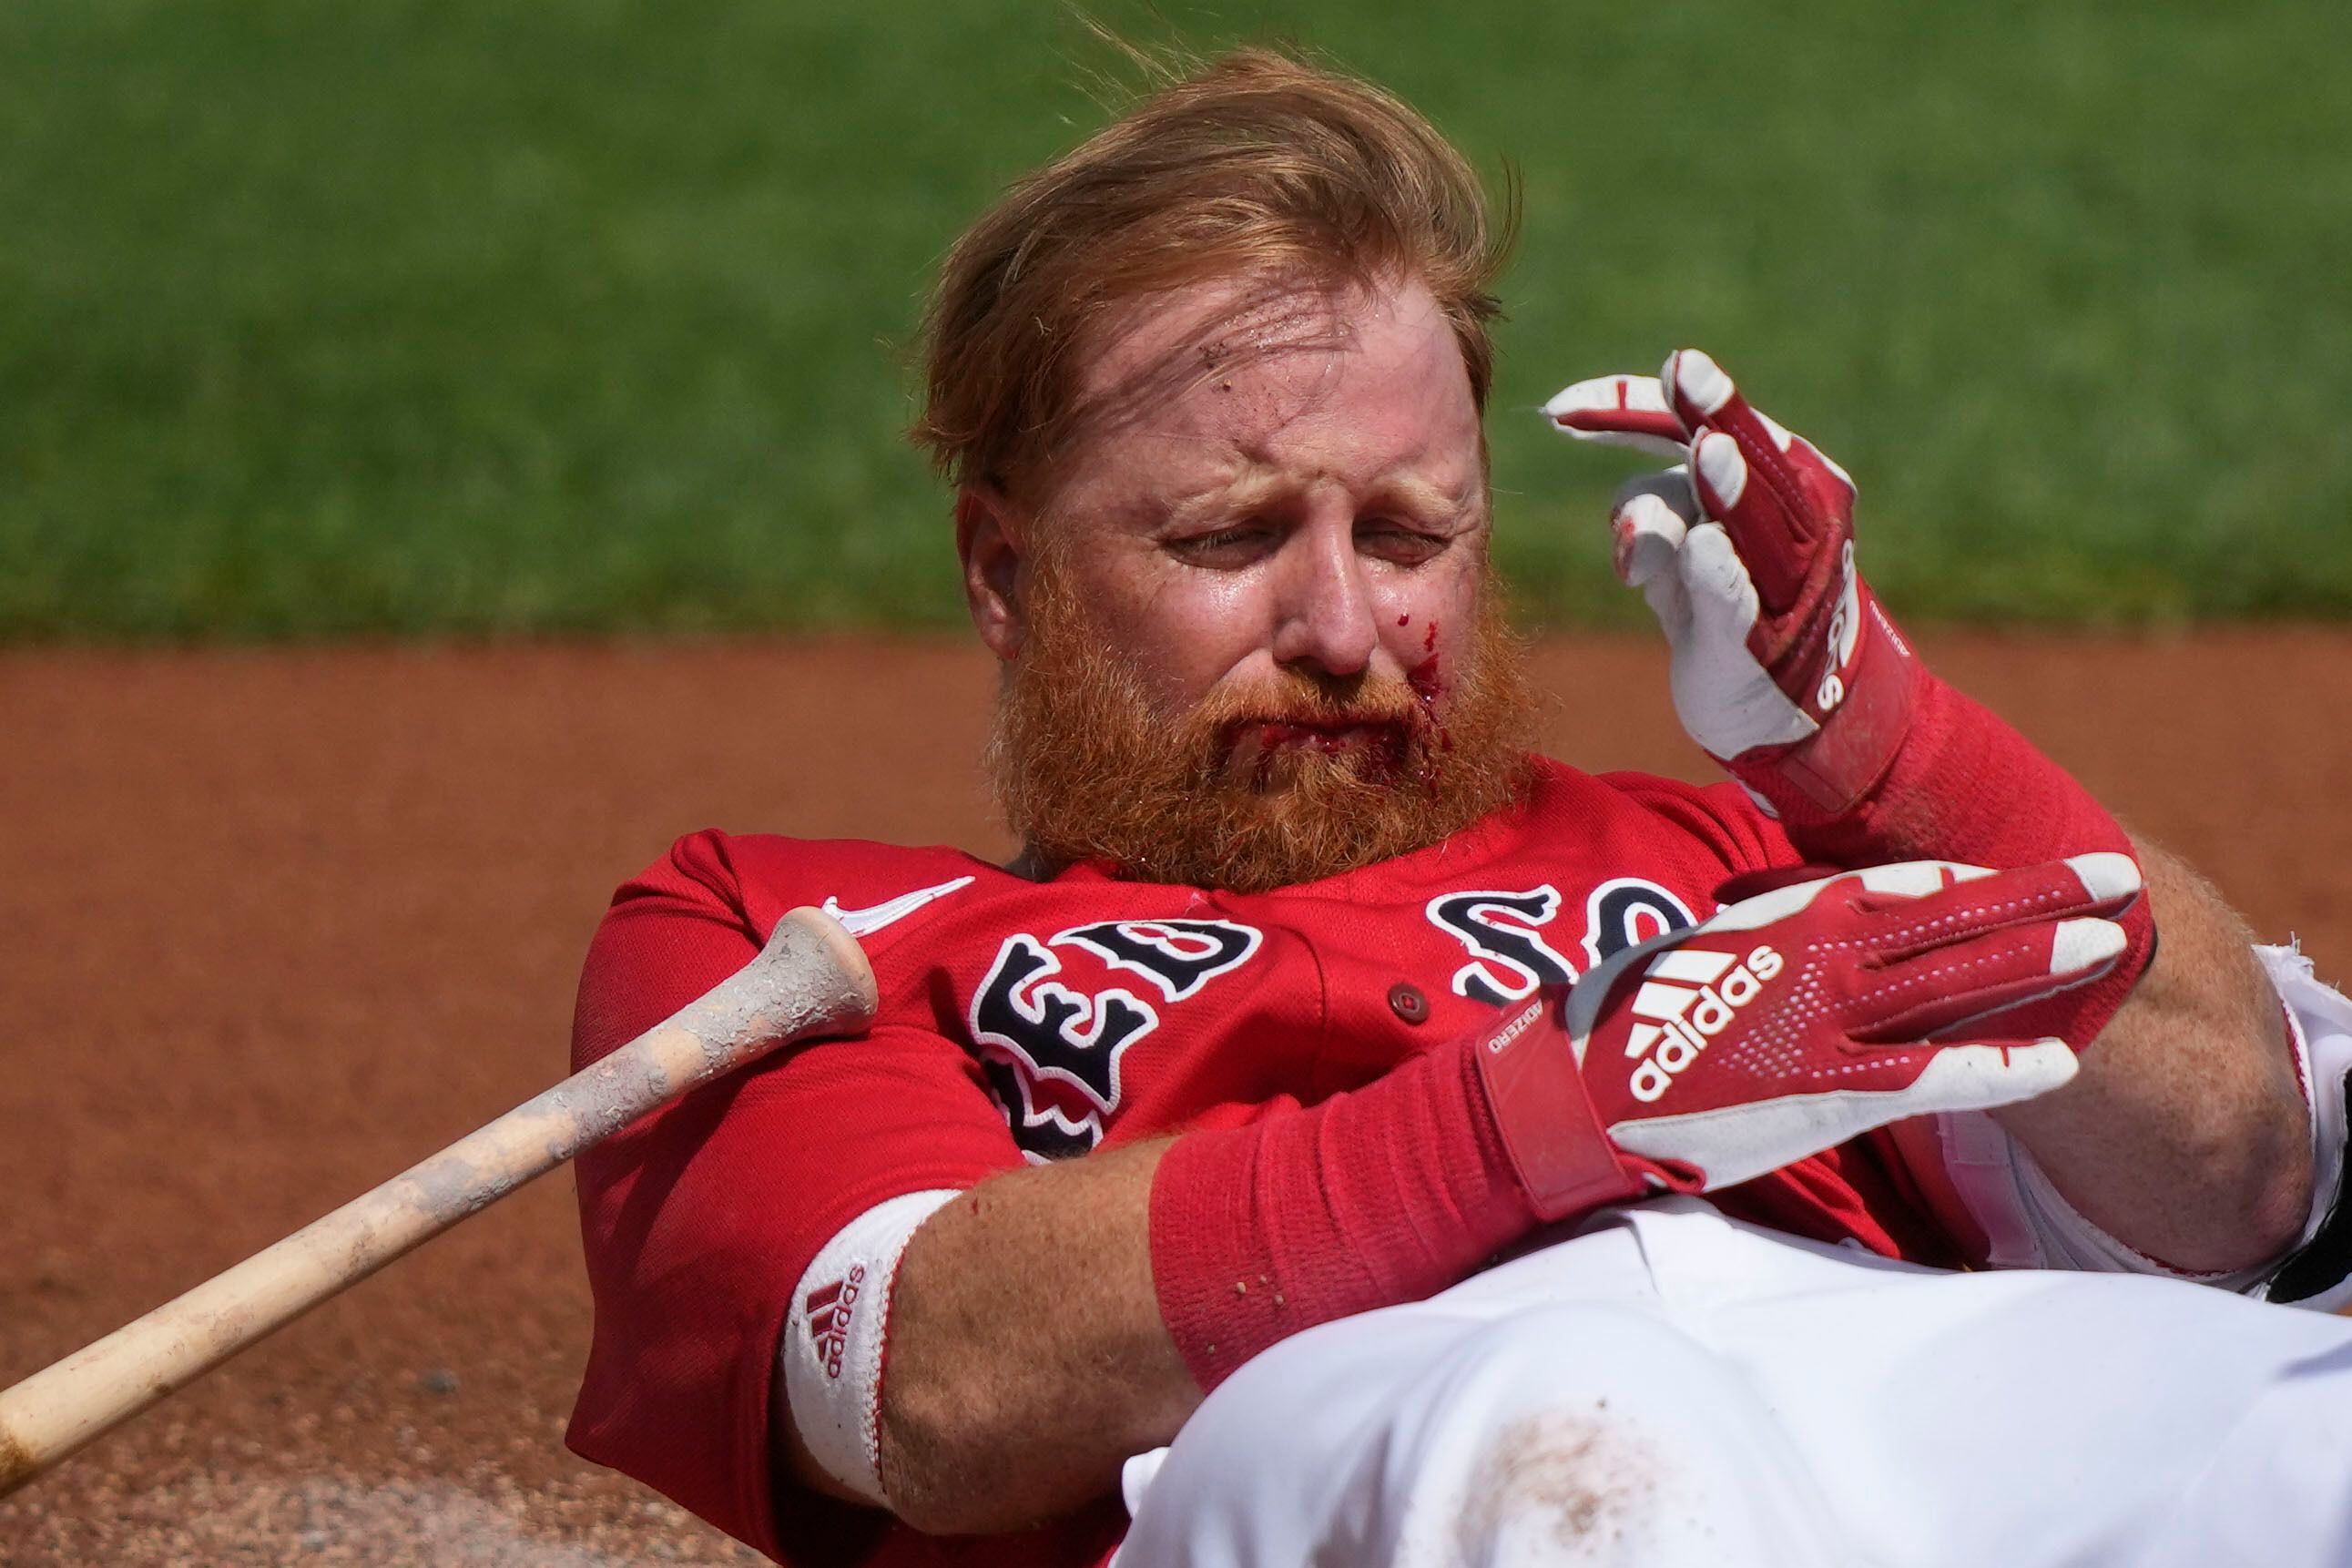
{"type": "Point", "coordinates": [989, 543]}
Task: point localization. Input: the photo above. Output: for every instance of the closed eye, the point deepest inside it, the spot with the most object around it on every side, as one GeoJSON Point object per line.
{"type": "Point", "coordinates": [1225, 548]}
{"type": "Point", "coordinates": [1402, 544]}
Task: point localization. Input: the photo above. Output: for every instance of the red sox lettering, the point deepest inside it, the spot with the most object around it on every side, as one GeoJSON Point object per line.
{"type": "Point", "coordinates": [1054, 1018]}
{"type": "Point", "coordinates": [1052, 1051]}
{"type": "Point", "coordinates": [1177, 956]}
{"type": "Point", "coordinates": [1510, 960]}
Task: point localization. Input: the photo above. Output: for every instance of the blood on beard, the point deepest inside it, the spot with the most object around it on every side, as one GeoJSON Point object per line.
{"type": "Point", "coordinates": [1304, 777]}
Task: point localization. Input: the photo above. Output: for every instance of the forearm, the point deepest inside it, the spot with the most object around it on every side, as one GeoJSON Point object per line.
{"type": "Point", "coordinates": [2184, 1136]}
{"type": "Point", "coordinates": [1053, 1322]}
{"type": "Point", "coordinates": [2185, 1133]}
{"type": "Point", "coordinates": [1027, 1354]}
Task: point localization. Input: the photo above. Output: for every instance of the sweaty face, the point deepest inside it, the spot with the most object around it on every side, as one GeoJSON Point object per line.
{"type": "Point", "coordinates": [1257, 641]}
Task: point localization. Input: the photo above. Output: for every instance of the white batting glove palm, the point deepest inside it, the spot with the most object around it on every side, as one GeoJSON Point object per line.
{"type": "Point", "coordinates": [1784, 667]}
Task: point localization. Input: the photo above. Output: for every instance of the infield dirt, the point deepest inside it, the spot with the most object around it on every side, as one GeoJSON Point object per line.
{"type": "Point", "coordinates": [273, 925]}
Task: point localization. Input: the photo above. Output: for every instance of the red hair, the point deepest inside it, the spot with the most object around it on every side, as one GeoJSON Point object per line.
{"type": "Point", "coordinates": [1255, 165]}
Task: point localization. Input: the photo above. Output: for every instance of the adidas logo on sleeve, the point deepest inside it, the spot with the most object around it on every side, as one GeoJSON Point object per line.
{"type": "Point", "coordinates": [829, 1310]}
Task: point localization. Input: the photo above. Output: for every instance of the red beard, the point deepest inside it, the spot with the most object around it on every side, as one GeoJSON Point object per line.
{"type": "Point", "coordinates": [1304, 777]}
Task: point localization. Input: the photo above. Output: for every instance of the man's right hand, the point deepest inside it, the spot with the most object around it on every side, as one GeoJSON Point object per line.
{"type": "Point", "coordinates": [1796, 1020]}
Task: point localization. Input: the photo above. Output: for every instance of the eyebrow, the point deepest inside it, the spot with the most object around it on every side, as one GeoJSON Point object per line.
{"type": "Point", "coordinates": [1245, 493]}
{"type": "Point", "coordinates": [1424, 500]}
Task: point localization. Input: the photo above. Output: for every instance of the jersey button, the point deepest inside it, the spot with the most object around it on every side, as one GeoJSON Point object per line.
{"type": "Point", "coordinates": [1408, 1002]}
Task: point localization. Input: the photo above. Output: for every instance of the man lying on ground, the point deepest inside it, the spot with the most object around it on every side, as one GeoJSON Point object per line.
{"type": "Point", "coordinates": [1269, 1025]}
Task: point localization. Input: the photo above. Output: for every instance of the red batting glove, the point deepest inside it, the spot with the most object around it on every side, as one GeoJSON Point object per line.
{"type": "Point", "coordinates": [1794, 1021]}
{"type": "Point", "coordinates": [1785, 668]}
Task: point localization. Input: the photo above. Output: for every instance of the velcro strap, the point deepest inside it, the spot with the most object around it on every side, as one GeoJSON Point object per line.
{"type": "Point", "coordinates": [1564, 1162]}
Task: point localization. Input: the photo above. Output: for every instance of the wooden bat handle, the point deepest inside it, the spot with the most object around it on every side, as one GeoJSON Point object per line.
{"type": "Point", "coordinates": [810, 979]}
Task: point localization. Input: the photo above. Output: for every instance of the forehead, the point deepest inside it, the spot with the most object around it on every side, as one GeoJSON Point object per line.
{"type": "Point", "coordinates": [1238, 373]}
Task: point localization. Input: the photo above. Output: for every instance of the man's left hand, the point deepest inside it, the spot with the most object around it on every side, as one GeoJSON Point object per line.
{"type": "Point", "coordinates": [1785, 668]}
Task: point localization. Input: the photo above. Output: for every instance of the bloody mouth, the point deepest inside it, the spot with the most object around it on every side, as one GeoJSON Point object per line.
{"type": "Point", "coordinates": [1322, 737]}
{"type": "Point", "coordinates": [1253, 746]}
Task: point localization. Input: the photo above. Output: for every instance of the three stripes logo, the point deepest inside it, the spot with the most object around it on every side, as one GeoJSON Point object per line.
{"type": "Point", "coordinates": [1689, 994]}
{"type": "Point", "coordinates": [829, 1311]}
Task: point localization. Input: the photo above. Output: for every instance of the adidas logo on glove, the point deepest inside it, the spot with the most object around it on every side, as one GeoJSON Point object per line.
{"type": "Point", "coordinates": [1906, 987]}
{"type": "Point", "coordinates": [1690, 995]}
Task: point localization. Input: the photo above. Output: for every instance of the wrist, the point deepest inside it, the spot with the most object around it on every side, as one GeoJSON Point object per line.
{"type": "Point", "coordinates": [1546, 1126]}
{"type": "Point", "coordinates": [1386, 1194]}
{"type": "Point", "coordinates": [1964, 785]}
{"type": "Point", "coordinates": [1867, 713]}
{"type": "Point", "coordinates": [834, 1350]}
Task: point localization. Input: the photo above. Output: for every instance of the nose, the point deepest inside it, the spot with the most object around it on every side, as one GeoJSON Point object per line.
{"type": "Point", "coordinates": [1325, 604]}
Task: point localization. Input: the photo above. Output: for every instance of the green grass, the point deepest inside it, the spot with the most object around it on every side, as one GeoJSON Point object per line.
{"type": "Point", "coordinates": [556, 315]}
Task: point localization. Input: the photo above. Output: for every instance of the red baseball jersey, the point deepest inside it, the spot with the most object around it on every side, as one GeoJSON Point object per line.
{"type": "Point", "coordinates": [1029, 1021]}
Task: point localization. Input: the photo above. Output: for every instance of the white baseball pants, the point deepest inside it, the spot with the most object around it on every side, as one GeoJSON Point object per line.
{"type": "Point", "coordinates": [1673, 1388]}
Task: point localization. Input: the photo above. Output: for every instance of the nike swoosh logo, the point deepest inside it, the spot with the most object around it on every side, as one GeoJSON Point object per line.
{"type": "Point", "coordinates": [866, 921]}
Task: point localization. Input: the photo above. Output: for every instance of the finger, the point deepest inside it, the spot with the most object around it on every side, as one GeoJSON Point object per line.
{"type": "Point", "coordinates": [1721, 473]}
{"type": "Point", "coordinates": [1695, 387]}
{"type": "Point", "coordinates": [1775, 539]}
{"type": "Point", "coordinates": [1776, 517]}
{"type": "Point", "coordinates": [1945, 987]}
{"type": "Point", "coordinates": [2100, 884]}
{"type": "Point", "coordinates": [1775, 531]}
{"type": "Point", "coordinates": [1915, 879]}
{"type": "Point", "coordinates": [1647, 533]}
{"type": "Point", "coordinates": [1722, 596]}
{"type": "Point", "coordinates": [1757, 897]}
{"type": "Point", "coordinates": [1620, 411]}
{"type": "Point", "coordinates": [1922, 1079]}
{"type": "Point", "coordinates": [1664, 594]}
{"type": "Point", "coordinates": [1980, 1076]}
{"type": "Point", "coordinates": [1743, 897]}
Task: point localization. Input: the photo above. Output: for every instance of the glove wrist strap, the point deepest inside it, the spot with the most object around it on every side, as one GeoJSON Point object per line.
{"type": "Point", "coordinates": [1552, 1135]}
{"type": "Point", "coordinates": [1831, 771]}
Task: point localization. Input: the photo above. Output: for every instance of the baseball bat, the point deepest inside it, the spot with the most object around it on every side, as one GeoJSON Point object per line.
{"type": "Point", "coordinates": [810, 979]}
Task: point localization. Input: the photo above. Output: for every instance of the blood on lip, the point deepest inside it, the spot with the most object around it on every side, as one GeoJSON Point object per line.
{"type": "Point", "coordinates": [1323, 737]}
